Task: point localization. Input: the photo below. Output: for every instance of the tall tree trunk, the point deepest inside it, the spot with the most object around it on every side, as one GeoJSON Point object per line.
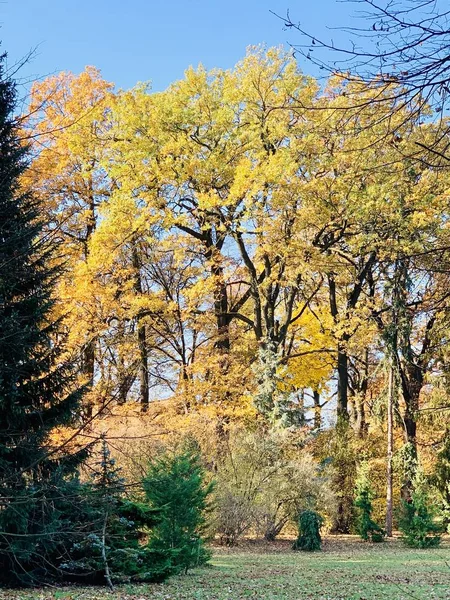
{"type": "Point", "coordinates": [341, 524]}
{"type": "Point", "coordinates": [221, 310]}
{"type": "Point", "coordinates": [88, 371]}
{"type": "Point", "coordinates": [345, 460]}
{"type": "Point", "coordinates": [88, 362]}
{"type": "Point", "coordinates": [360, 400]}
{"type": "Point", "coordinates": [342, 386]}
{"type": "Point", "coordinates": [360, 411]}
{"type": "Point", "coordinates": [342, 358]}
{"type": "Point", "coordinates": [104, 555]}
{"type": "Point", "coordinates": [144, 388]}
{"type": "Point", "coordinates": [412, 382]}
{"type": "Point", "coordinates": [352, 299]}
{"type": "Point", "coordinates": [411, 399]}
{"type": "Point", "coordinates": [222, 345]}
{"type": "Point", "coordinates": [390, 450]}
{"type": "Point", "coordinates": [412, 376]}
{"type": "Point", "coordinates": [88, 353]}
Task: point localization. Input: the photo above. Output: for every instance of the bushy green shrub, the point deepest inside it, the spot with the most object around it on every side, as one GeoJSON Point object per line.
{"type": "Point", "coordinates": [309, 524]}
{"type": "Point", "coordinates": [441, 479]}
{"type": "Point", "coordinates": [175, 486]}
{"type": "Point", "coordinates": [108, 547]}
{"type": "Point", "coordinates": [365, 525]}
{"type": "Point", "coordinates": [417, 520]}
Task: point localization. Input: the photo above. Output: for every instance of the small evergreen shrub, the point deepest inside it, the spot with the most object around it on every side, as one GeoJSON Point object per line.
{"type": "Point", "coordinates": [109, 548]}
{"type": "Point", "coordinates": [417, 522]}
{"type": "Point", "coordinates": [309, 524]}
{"type": "Point", "coordinates": [175, 486]}
{"type": "Point", "coordinates": [365, 526]}
{"type": "Point", "coordinates": [441, 479]}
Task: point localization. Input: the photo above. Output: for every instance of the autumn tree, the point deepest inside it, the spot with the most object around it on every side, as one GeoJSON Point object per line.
{"type": "Point", "coordinates": [65, 118]}
{"type": "Point", "coordinates": [216, 165]}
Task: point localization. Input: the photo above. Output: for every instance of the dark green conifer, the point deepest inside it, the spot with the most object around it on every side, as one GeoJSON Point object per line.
{"type": "Point", "coordinates": [309, 525]}
{"type": "Point", "coordinates": [109, 548]}
{"type": "Point", "coordinates": [36, 386]}
{"type": "Point", "coordinates": [417, 520]}
{"type": "Point", "coordinates": [175, 485]}
{"type": "Point", "coordinates": [365, 525]}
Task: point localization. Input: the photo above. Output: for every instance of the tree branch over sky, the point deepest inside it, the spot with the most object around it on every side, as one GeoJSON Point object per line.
{"type": "Point", "coordinates": [400, 48]}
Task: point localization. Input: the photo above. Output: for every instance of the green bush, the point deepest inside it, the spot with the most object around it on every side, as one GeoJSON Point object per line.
{"type": "Point", "coordinates": [309, 524]}
{"type": "Point", "coordinates": [365, 526]}
{"type": "Point", "coordinates": [441, 479]}
{"type": "Point", "coordinates": [417, 521]}
{"type": "Point", "coordinates": [175, 486]}
{"type": "Point", "coordinates": [109, 547]}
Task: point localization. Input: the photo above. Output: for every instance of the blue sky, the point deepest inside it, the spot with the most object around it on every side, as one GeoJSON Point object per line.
{"type": "Point", "coordinates": [156, 40]}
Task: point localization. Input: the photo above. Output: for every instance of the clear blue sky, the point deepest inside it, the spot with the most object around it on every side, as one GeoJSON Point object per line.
{"type": "Point", "coordinates": [156, 40]}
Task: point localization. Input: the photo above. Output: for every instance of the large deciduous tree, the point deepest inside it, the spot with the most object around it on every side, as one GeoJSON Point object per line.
{"type": "Point", "coordinates": [64, 124]}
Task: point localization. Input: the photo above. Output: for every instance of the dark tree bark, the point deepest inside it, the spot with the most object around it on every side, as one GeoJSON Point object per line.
{"type": "Point", "coordinates": [359, 382]}
{"type": "Point", "coordinates": [351, 300]}
{"type": "Point", "coordinates": [88, 354]}
{"type": "Point", "coordinates": [144, 388]}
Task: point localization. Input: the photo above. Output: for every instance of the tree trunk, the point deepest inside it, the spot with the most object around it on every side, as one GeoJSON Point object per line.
{"type": "Point", "coordinates": [342, 358]}
{"type": "Point", "coordinates": [412, 383]}
{"type": "Point", "coordinates": [342, 391]}
{"type": "Point", "coordinates": [144, 388]}
{"type": "Point", "coordinates": [88, 371]}
{"type": "Point", "coordinates": [104, 556]}
{"type": "Point", "coordinates": [344, 459]}
{"type": "Point", "coordinates": [88, 355]}
{"type": "Point", "coordinates": [360, 409]}
{"type": "Point", "coordinates": [342, 382]}
{"type": "Point", "coordinates": [411, 399]}
{"type": "Point", "coordinates": [221, 309]}
{"type": "Point", "coordinates": [144, 393]}
{"type": "Point", "coordinates": [390, 450]}
{"type": "Point", "coordinates": [360, 401]}
{"type": "Point", "coordinates": [223, 345]}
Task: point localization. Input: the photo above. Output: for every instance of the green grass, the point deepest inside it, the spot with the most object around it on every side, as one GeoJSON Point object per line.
{"type": "Point", "coordinates": [347, 569]}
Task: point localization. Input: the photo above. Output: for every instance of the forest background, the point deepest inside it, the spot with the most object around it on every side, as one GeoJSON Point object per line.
{"type": "Point", "coordinates": [257, 260]}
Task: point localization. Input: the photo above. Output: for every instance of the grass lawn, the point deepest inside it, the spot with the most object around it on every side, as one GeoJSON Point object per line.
{"type": "Point", "coordinates": [347, 569]}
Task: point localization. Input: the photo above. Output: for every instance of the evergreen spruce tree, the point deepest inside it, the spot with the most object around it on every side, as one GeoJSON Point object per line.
{"type": "Point", "coordinates": [175, 485]}
{"type": "Point", "coordinates": [365, 525]}
{"type": "Point", "coordinates": [112, 549]}
{"type": "Point", "coordinates": [417, 519]}
{"type": "Point", "coordinates": [441, 479]}
{"type": "Point", "coordinates": [36, 388]}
